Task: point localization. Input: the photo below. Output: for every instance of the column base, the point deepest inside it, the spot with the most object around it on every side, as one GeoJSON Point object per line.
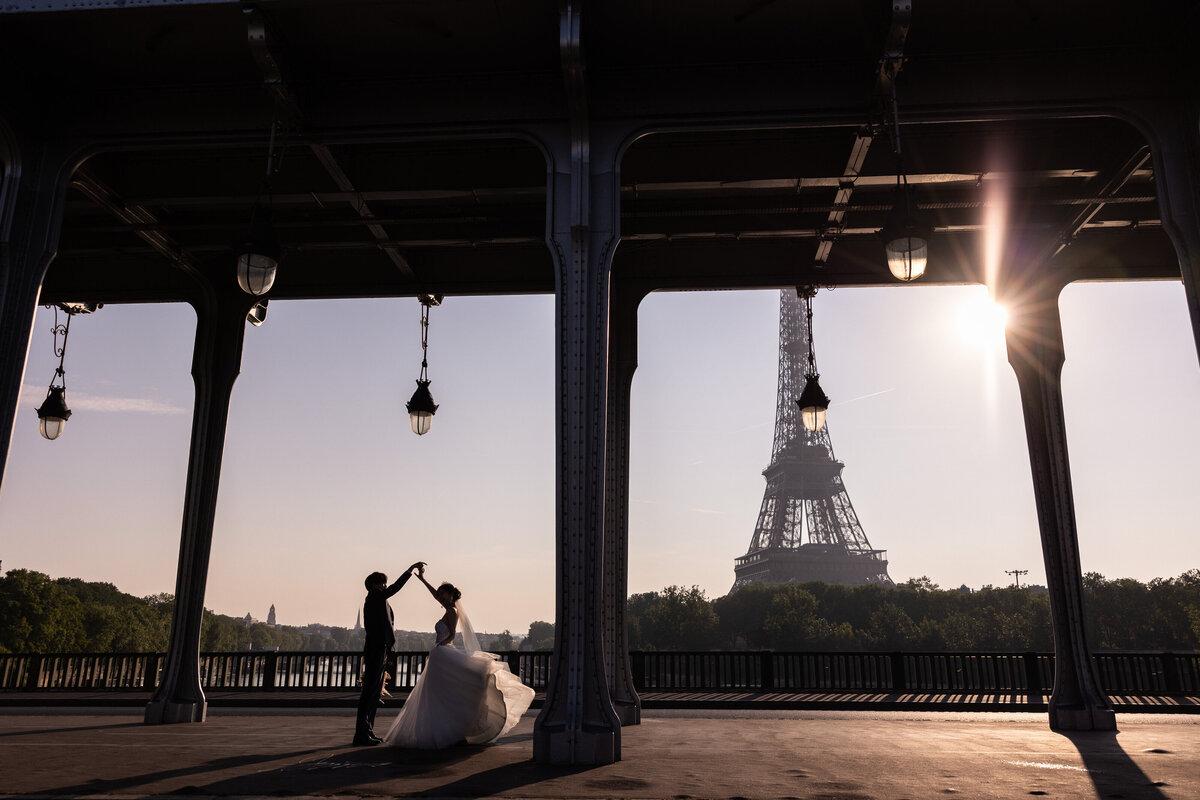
{"type": "Point", "coordinates": [1082, 719]}
{"type": "Point", "coordinates": [591, 747]}
{"type": "Point", "coordinates": [629, 712]}
{"type": "Point", "coordinates": [166, 712]}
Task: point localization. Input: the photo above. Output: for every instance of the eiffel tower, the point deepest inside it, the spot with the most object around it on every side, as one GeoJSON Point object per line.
{"type": "Point", "coordinates": [807, 529]}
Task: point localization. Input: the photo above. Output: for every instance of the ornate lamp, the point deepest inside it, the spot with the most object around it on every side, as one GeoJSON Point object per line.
{"type": "Point", "coordinates": [421, 407]}
{"type": "Point", "coordinates": [258, 254]}
{"type": "Point", "coordinates": [258, 250]}
{"type": "Point", "coordinates": [53, 412]}
{"type": "Point", "coordinates": [905, 237]}
{"type": "Point", "coordinates": [813, 401]}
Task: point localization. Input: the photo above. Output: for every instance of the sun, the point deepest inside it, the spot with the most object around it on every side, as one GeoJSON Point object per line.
{"type": "Point", "coordinates": [980, 321]}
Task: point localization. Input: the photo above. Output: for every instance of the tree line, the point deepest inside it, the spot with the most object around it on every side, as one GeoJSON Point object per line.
{"type": "Point", "coordinates": [1120, 614]}
{"type": "Point", "coordinates": [40, 614]}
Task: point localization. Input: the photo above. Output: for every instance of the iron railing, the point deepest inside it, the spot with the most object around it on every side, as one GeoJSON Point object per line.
{"type": "Point", "coordinates": [1120, 673]}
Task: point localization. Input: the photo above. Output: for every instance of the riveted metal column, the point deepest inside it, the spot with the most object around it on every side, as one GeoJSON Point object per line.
{"type": "Point", "coordinates": [622, 362]}
{"type": "Point", "coordinates": [216, 361]}
{"type": "Point", "coordinates": [1035, 351]}
{"type": "Point", "coordinates": [577, 724]}
{"type": "Point", "coordinates": [31, 204]}
{"type": "Point", "coordinates": [1175, 147]}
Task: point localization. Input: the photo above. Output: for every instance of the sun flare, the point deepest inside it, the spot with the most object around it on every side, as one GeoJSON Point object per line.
{"type": "Point", "coordinates": [981, 321]}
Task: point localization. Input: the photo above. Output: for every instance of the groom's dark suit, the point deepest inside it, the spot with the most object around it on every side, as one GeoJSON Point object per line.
{"type": "Point", "coordinates": [379, 623]}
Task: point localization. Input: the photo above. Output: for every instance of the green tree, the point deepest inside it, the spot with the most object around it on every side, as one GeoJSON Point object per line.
{"type": "Point", "coordinates": [540, 636]}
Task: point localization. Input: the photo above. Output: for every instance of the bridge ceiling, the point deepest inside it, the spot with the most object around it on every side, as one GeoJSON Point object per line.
{"type": "Point", "coordinates": [411, 159]}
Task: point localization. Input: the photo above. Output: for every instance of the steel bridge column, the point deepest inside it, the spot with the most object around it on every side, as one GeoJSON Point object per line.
{"type": "Point", "coordinates": [216, 361]}
{"type": "Point", "coordinates": [578, 724]}
{"type": "Point", "coordinates": [32, 187]}
{"type": "Point", "coordinates": [621, 366]}
{"type": "Point", "coordinates": [1175, 147]}
{"type": "Point", "coordinates": [1035, 351]}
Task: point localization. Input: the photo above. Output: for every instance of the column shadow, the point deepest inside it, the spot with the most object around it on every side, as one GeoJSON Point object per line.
{"type": "Point", "coordinates": [72, 729]}
{"type": "Point", "coordinates": [1113, 772]}
{"type": "Point", "coordinates": [119, 785]}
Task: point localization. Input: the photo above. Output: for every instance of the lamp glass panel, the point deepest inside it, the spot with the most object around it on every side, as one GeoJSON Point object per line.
{"type": "Point", "coordinates": [420, 422]}
{"type": "Point", "coordinates": [907, 257]}
{"type": "Point", "coordinates": [51, 427]}
{"type": "Point", "coordinates": [813, 418]}
{"type": "Point", "coordinates": [256, 273]}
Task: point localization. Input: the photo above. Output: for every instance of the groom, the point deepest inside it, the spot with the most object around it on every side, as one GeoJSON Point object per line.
{"type": "Point", "coordinates": [381, 635]}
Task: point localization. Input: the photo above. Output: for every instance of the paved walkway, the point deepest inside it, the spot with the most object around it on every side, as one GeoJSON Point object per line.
{"type": "Point", "coordinates": [52, 753]}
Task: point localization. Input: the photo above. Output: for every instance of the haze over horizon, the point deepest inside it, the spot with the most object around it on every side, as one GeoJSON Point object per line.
{"type": "Point", "coordinates": [323, 482]}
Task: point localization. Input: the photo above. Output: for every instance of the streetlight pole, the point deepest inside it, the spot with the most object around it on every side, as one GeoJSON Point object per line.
{"type": "Point", "coordinates": [1016, 573]}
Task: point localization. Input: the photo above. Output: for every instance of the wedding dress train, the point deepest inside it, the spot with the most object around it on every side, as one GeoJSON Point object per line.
{"type": "Point", "coordinates": [461, 696]}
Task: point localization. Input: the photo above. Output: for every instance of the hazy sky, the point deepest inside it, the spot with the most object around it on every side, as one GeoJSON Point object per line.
{"type": "Point", "coordinates": [323, 482]}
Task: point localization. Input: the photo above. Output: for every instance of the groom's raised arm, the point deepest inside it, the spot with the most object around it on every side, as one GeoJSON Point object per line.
{"type": "Point", "coordinates": [403, 579]}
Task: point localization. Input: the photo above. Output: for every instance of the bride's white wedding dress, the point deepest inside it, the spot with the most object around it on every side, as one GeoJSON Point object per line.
{"type": "Point", "coordinates": [461, 696]}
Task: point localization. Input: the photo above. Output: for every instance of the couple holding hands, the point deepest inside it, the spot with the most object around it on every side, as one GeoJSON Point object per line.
{"type": "Point", "coordinates": [462, 696]}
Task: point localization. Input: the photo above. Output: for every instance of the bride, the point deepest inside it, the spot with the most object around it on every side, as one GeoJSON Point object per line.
{"type": "Point", "coordinates": [461, 696]}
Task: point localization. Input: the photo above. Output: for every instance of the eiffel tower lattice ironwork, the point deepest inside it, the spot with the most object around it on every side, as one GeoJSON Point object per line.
{"type": "Point", "coordinates": [807, 528]}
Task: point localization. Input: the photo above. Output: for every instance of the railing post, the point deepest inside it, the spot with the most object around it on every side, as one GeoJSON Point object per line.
{"type": "Point", "coordinates": [899, 679]}
{"type": "Point", "coordinates": [1033, 674]}
{"type": "Point", "coordinates": [513, 659]}
{"type": "Point", "coordinates": [766, 670]}
{"type": "Point", "coordinates": [33, 678]}
{"type": "Point", "coordinates": [1171, 681]}
{"type": "Point", "coordinates": [637, 665]}
{"type": "Point", "coordinates": [150, 677]}
{"type": "Point", "coordinates": [269, 669]}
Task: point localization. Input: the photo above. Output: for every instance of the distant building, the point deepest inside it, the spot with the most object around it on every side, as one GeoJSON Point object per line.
{"type": "Point", "coordinates": [271, 616]}
{"type": "Point", "coordinates": [358, 621]}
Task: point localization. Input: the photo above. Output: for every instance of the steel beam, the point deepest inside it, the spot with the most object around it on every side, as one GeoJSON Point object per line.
{"type": "Point", "coordinates": [622, 363]}
{"type": "Point", "coordinates": [578, 723]}
{"type": "Point", "coordinates": [216, 362]}
{"type": "Point", "coordinates": [140, 220]}
{"type": "Point", "coordinates": [1035, 351]}
{"type": "Point", "coordinates": [268, 60]}
{"type": "Point", "coordinates": [1176, 151]}
{"type": "Point", "coordinates": [32, 187]}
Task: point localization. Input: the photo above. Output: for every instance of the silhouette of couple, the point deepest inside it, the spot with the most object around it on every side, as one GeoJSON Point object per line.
{"type": "Point", "coordinates": [462, 696]}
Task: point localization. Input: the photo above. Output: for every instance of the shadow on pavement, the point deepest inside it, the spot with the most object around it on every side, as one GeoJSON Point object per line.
{"type": "Point", "coordinates": [72, 729]}
{"type": "Point", "coordinates": [1113, 772]}
{"type": "Point", "coordinates": [503, 779]}
{"type": "Point", "coordinates": [117, 785]}
{"type": "Point", "coordinates": [339, 771]}
{"type": "Point", "coordinates": [385, 770]}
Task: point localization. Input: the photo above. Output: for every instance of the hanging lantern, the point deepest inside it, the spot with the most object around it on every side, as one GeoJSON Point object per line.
{"type": "Point", "coordinates": [258, 254]}
{"type": "Point", "coordinates": [421, 409]}
{"type": "Point", "coordinates": [813, 404]}
{"type": "Point", "coordinates": [53, 413]}
{"type": "Point", "coordinates": [812, 401]}
{"type": "Point", "coordinates": [905, 239]}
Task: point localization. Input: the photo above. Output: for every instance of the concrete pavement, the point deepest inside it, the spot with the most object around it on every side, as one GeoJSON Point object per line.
{"type": "Point", "coordinates": [52, 753]}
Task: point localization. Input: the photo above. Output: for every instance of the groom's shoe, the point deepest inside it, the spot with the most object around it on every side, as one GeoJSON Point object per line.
{"type": "Point", "coordinates": [366, 740]}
